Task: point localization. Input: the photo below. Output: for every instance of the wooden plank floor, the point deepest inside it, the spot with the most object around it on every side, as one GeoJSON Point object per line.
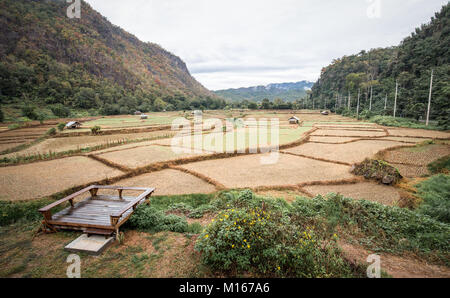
{"type": "Point", "coordinates": [94, 211]}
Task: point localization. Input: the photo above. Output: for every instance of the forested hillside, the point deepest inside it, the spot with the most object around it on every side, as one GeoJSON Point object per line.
{"type": "Point", "coordinates": [289, 92]}
{"type": "Point", "coordinates": [377, 71]}
{"type": "Point", "coordinates": [48, 59]}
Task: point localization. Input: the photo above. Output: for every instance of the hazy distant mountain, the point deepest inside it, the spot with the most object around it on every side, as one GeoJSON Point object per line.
{"type": "Point", "coordinates": [285, 91]}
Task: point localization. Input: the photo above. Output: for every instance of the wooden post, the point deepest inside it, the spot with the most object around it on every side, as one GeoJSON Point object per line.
{"type": "Point", "coordinates": [429, 98]}
{"type": "Point", "coordinates": [395, 101]}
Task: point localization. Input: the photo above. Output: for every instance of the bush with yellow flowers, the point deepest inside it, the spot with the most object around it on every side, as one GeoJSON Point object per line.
{"type": "Point", "coordinates": [256, 236]}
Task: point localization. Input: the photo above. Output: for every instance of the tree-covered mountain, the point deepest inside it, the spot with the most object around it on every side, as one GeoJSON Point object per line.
{"type": "Point", "coordinates": [48, 59]}
{"type": "Point", "coordinates": [377, 71]}
{"type": "Point", "coordinates": [287, 91]}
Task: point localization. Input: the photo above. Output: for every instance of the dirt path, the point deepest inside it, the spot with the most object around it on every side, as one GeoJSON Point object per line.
{"type": "Point", "coordinates": [396, 266]}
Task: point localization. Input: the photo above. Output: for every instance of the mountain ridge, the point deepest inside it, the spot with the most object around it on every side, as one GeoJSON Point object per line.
{"type": "Point", "coordinates": [290, 91]}
{"type": "Point", "coordinates": [48, 59]}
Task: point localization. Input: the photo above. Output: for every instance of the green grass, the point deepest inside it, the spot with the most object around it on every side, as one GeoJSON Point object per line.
{"type": "Point", "coordinates": [435, 193]}
{"type": "Point", "coordinates": [378, 227]}
{"type": "Point", "coordinates": [441, 165]}
{"type": "Point", "coordinates": [402, 122]}
{"type": "Point", "coordinates": [11, 212]}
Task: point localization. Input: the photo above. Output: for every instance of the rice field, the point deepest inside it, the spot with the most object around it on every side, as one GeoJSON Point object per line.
{"type": "Point", "coordinates": [36, 180]}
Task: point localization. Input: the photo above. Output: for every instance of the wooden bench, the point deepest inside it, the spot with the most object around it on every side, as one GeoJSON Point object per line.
{"type": "Point", "coordinates": [97, 214]}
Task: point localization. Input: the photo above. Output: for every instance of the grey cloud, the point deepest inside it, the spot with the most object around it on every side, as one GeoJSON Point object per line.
{"type": "Point", "coordinates": [236, 43]}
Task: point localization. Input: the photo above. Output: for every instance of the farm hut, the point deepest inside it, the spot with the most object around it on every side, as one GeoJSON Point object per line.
{"type": "Point", "coordinates": [138, 113]}
{"type": "Point", "coordinates": [143, 117]}
{"type": "Point", "coordinates": [73, 125]}
{"type": "Point", "coordinates": [294, 120]}
{"type": "Point", "coordinates": [197, 113]}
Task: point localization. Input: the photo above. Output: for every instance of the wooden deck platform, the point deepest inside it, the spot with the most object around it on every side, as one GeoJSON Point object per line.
{"type": "Point", "coordinates": [97, 214]}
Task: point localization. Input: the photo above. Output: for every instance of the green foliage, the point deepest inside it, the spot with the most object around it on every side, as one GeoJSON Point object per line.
{"type": "Point", "coordinates": [11, 212]}
{"type": "Point", "coordinates": [29, 112]}
{"type": "Point", "coordinates": [61, 126]}
{"type": "Point", "coordinates": [51, 132]}
{"type": "Point", "coordinates": [60, 111]}
{"type": "Point", "coordinates": [410, 64]}
{"type": "Point", "coordinates": [435, 193]}
{"type": "Point", "coordinates": [83, 65]}
{"type": "Point", "coordinates": [96, 130]}
{"type": "Point", "coordinates": [2, 116]}
{"type": "Point", "coordinates": [150, 219]}
{"type": "Point", "coordinates": [384, 228]}
{"type": "Point", "coordinates": [441, 165]}
{"type": "Point", "coordinates": [264, 240]}
{"type": "Point", "coordinates": [400, 122]}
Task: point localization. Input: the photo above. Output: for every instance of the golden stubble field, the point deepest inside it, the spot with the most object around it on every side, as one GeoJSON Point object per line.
{"type": "Point", "coordinates": [324, 149]}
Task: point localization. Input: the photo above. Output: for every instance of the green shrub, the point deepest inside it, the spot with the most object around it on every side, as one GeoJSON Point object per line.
{"type": "Point", "coordinates": [60, 110]}
{"type": "Point", "coordinates": [11, 212]}
{"type": "Point", "coordinates": [386, 228]}
{"type": "Point", "coordinates": [95, 130]}
{"type": "Point", "coordinates": [14, 126]}
{"type": "Point", "coordinates": [51, 132]}
{"type": "Point", "coordinates": [435, 193]}
{"type": "Point", "coordinates": [263, 240]}
{"type": "Point", "coordinates": [401, 122]}
{"type": "Point", "coordinates": [150, 219]}
{"type": "Point", "coordinates": [29, 112]}
{"type": "Point", "coordinates": [61, 126]}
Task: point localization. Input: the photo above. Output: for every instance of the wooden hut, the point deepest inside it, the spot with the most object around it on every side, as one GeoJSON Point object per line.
{"type": "Point", "coordinates": [294, 120]}
{"type": "Point", "coordinates": [73, 125]}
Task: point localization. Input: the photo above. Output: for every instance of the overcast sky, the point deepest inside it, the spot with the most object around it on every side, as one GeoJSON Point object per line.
{"type": "Point", "coordinates": [241, 43]}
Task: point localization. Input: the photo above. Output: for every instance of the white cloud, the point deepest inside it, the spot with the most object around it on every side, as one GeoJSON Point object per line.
{"type": "Point", "coordinates": [236, 43]}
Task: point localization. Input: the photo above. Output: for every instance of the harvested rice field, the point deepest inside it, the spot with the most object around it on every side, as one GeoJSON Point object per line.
{"type": "Point", "coordinates": [419, 156]}
{"type": "Point", "coordinates": [321, 165]}
{"type": "Point", "coordinates": [26, 182]}
{"type": "Point", "coordinates": [332, 140]}
{"type": "Point", "coordinates": [347, 153]}
{"type": "Point", "coordinates": [406, 139]}
{"type": "Point", "coordinates": [81, 142]}
{"type": "Point", "coordinates": [360, 191]}
{"type": "Point", "coordinates": [248, 171]}
{"type": "Point", "coordinates": [163, 182]}
{"type": "Point", "coordinates": [410, 171]}
{"type": "Point", "coordinates": [348, 133]}
{"type": "Point", "coordinates": [409, 132]}
{"type": "Point", "coordinates": [143, 156]}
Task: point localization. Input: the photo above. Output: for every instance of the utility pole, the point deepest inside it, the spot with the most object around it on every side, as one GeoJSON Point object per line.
{"type": "Point", "coordinates": [395, 101]}
{"type": "Point", "coordinates": [429, 98]}
{"type": "Point", "coordinates": [357, 108]}
{"type": "Point", "coordinates": [385, 103]}
{"type": "Point", "coordinates": [371, 94]}
{"type": "Point", "coordinates": [349, 100]}
{"type": "Point", "coordinates": [336, 103]}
